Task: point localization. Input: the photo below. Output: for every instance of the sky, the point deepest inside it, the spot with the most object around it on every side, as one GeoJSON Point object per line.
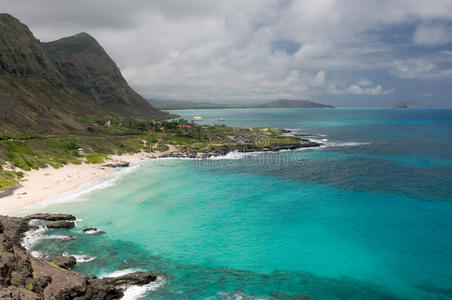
{"type": "Point", "coordinates": [340, 52]}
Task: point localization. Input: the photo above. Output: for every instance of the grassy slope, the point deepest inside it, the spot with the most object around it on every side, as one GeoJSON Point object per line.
{"type": "Point", "coordinates": [58, 151]}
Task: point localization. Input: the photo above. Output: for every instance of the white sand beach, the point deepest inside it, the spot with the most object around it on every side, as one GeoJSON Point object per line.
{"type": "Point", "coordinates": [40, 185]}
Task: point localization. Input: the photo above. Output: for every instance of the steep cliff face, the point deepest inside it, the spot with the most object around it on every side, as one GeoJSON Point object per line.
{"type": "Point", "coordinates": [89, 69]}
{"type": "Point", "coordinates": [44, 88]}
{"type": "Point", "coordinates": [21, 55]}
{"type": "Point", "coordinates": [31, 88]}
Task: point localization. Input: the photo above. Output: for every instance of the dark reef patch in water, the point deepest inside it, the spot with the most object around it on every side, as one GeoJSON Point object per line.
{"type": "Point", "coordinates": [201, 281]}
{"type": "Point", "coordinates": [344, 172]}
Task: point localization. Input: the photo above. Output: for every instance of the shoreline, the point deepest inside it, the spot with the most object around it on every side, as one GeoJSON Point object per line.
{"type": "Point", "coordinates": [40, 185]}
{"type": "Point", "coordinates": [24, 276]}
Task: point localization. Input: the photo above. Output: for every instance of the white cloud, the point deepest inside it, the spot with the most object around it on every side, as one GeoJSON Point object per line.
{"type": "Point", "coordinates": [432, 34]}
{"type": "Point", "coordinates": [413, 68]}
{"type": "Point", "coordinates": [364, 82]}
{"type": "Point", "coordinates": [378, 90]}
{"type": "Point", "coordinates": [319, 78]}
{"type": "Point", "coordinates": [356, 89]}
{"type": "Point", "coordinates": [204, 49]}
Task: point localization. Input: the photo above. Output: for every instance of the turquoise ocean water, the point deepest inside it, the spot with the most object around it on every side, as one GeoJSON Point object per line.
{"type": "Point", "coordinates": [368, 216]}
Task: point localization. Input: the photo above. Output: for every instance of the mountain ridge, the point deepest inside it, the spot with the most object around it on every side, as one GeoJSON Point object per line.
{"type": "Point", "coordinates": [282, 103]}
{"type": "Point", "coordinates": [101, 79]}
{"type": "Point", "coordinates": [40, 95]}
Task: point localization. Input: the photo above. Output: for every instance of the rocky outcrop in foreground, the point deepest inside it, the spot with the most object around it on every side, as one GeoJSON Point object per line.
{"type": "Point", "coordinates": [25, 277]}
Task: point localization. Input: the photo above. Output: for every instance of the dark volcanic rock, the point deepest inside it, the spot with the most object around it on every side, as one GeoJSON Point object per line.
{"type": "Point", "coordinates": [51, 217]}
{"type": "Point", "coordinates": [122, 164]}
{"type": "Point", "coordinates": [26, 277]}
{"type": "Point", "coordinates": [285, 130]}
{"type": "Point", "coordinates": [16, 273]}
{"type": "Point", "coordinates": [92, 230]}
{"type": "Point", "coordinates": [61, 224]}
{"type": "Point", "coordinates": [65, 262]}
{"type": "Point", "coordinates": [16, 293]}
{"type": "Point", "coordinates": [14, 228]}
{"type": "Point", "coordinates": [9, 191]}
{"type": "Point", "coordinates": [135, 278]}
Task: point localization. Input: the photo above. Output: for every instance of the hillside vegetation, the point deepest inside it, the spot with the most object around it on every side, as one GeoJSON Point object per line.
{"type": "Point", "coordinates": [51, 88]}
{"type": "Point", "coordinates": [170, 138]}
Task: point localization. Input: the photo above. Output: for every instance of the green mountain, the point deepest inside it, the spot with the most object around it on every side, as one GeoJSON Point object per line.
{"type": "Point", "coordinates": [89, 69]}
{"type": "Point", "coordinates": [179, 104]}
{"type": "Point", "coordinates": [293, 104]}
{"type": "Point", "coordinates": [51, 87]}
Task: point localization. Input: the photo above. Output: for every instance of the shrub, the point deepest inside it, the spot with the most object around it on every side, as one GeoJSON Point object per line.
{"type": "Point", "coordinates": [7, 179]}
{"type": "Point", "coordinates": [95, 158]}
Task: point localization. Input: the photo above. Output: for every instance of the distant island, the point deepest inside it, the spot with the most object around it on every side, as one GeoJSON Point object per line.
{"type": "Point", "coordinates": [283, 103]}
{"type": "Point", "coordinates": [409, 105]}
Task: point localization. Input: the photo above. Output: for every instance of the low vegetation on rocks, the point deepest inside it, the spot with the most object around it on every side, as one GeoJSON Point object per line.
{"type": "Point", "coordinates": [177, 138]}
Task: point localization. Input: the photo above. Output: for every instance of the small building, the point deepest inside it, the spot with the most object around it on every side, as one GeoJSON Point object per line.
{"type": "Point", "coordinates": [81, 152]}
{"type": "Point", "coordinates": [108, 123]}
{"type": "Point", "coordinates": [184, 126]}
{"type": "Point", "coordinates": [197, 118]}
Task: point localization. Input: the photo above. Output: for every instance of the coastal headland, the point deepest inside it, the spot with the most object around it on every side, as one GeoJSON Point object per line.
{"type": "Point", "coordinates": [38, 169]}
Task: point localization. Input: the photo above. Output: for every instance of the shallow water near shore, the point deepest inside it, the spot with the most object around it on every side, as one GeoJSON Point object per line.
{"type": "Point", "coordinates": [369, 216]}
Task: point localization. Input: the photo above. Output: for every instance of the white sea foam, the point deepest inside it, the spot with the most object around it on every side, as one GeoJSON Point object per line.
{"type": "Point", "coordinates": [37, 254]}
{"type": "Point", "coordinates": [326, 143]}
{"type": "Point", "coordinates": [32, 237]}
{"type": "Point", "coordinates": [230, 155]}
{"type": "Point", "coordinates": [138, 292]}
{"type": "Point", "coordinates": [321, 139]}
{"type": "Point", "coordinates": [119, 273]}
{"type": "Point", "coordinates": [345, 144]}
{"type": "Point", "coordinates": [237, 295]}
{"type": "Point", "coordinates": [135, 291]}
{"type": "Point", "coordinates": [351, 144]}
{"type": "Point", "coordinates": [80, 258]}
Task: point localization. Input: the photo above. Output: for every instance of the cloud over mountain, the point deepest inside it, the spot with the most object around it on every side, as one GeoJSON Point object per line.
{"type": "Point", "coordinates": [261, 49]}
